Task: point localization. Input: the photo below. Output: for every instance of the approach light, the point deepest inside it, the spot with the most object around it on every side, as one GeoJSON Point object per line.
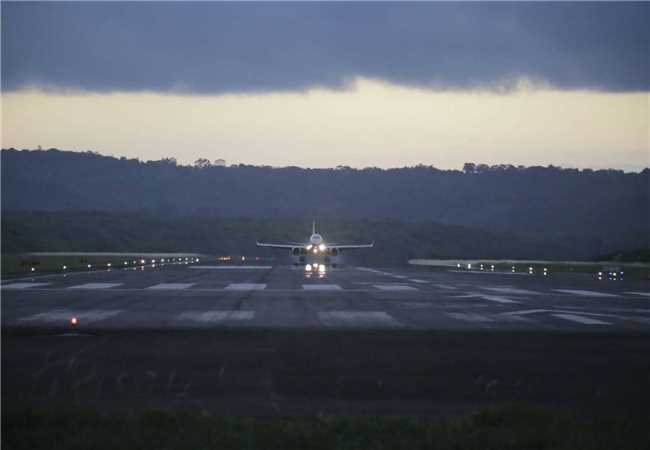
{"type": "Point", "coordinates": [308, 267]}
{"type": "Point", "coordinates": [89, 266]}
{"type": "Point", "coordinates": [65, 267]}
{"type": "Point", "coordinates": [321, 268]}
{"type": "Point", "coordinates": [33, 269]}
{"type": "Point", "coordinates": [142, 261]}
{"type": "Point", "coordinates": [108, 265]}
{"type": "Point", "coordinates": [469, 266]}
{"type": "Point", "coordinates": [321, 247]}
{"type": "Point", "coordinates": [492, 267]}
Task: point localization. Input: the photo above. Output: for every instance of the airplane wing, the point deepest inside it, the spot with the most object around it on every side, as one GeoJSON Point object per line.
{"type": "Point", "coordinates": [289, 245]}
{"type": "Point", "coordinates": [350, 246]}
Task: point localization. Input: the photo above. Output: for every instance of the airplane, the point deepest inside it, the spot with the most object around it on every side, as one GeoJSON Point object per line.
{"type": "Point", "coordinates": [315, 248]}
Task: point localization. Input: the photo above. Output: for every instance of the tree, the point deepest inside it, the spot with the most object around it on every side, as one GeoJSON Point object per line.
{"type": "Point", "coordinates": [202, 163]}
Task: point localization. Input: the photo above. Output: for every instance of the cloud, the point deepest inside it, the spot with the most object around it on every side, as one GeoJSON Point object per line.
{"type": "Point", "coordinates": [245, 47]}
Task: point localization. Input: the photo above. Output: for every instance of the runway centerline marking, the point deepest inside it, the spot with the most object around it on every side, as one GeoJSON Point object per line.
{"type": "Point", "coordinates": [322, 287]}
{"type": "Point", "coordinates": [395, 287]}
{"type": "Point", "coordinates": [585, 293]}
{"type": "Point", "coordinates": [171, 286]}
{"type": "Point", "coordinates": [580, 319]}
{"type": "Point", "coordinates": [417, 280]}
{"type": "Point", "coordinates": [23, 285]}
{"type": "Point", "coordinates": [360, 319]}
{"type": "Point", "coordinates": [95, 286]}
{"type": "Point", "coordinates": [246, 287]}
{"type": "Point", "coordinates": [217, 316]}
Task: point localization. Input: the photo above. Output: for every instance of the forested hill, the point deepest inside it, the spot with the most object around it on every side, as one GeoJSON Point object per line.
{"type": "Point", "coordinates": [533, 199]}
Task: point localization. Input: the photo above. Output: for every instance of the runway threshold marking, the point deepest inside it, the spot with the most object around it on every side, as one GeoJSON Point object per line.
{"type": "Point", "coordinates": [395, 287]}
{"type": "Point", "coordinates": [171, 286]}
{"type": "Point", "coordinates": [584, 293]}
{"type": "Point", "coordinates": [322, 287]}
{"type": "Point", "coordinates": [580, 319]}
{"type": "Point", "coordinates": [371, 319]}
{"type": "Point", "coordinates": [246, 287]}
{"type": "Point", "coordinates": [230, 267]}
{"type": "Point", "coordinates": [511, 290]}
{"type": "Point", "coordinates": [95, 286]}
{"type": "Point", "coordinates": [470, 317]}
{"type": "Point", "coordinates": [63, 315]}
{"type": "Point", "coordinates": [644, 294]}
{"type": "Point", "coordinates": [218, 316]}
{"type": "Point", "coordinates": [23, 285]}
{"type": "Point", "coordinates": [491, 298]}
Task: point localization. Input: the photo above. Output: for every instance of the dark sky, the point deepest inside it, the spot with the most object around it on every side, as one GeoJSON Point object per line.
{"type": "Point", "coordinates": [243, 47]}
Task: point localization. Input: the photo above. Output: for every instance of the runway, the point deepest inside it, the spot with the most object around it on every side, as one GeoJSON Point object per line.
{"type": "Point", "coordinates": [211, 296]}
{"type": "Point", "coordinates": [279, 341]}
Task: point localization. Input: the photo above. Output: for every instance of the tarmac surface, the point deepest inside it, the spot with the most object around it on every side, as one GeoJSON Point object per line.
{"type": "Point", "coordinates": [267, 340]}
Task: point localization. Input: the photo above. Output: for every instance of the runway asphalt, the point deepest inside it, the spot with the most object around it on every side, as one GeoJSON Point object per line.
{"type": "Point", "coordinates": [351, 297]}
{"type": "Point", "coordinates": [279, 340]}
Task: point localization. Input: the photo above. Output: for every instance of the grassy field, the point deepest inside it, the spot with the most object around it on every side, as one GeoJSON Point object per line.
{"type": "Point", "coordinates": [513, 427]}
{"type": "Point", "coordinates": [34, 263]}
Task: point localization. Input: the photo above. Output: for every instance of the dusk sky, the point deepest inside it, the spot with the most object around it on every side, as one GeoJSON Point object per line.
{"type": "Point", "coordinates": [323, 84]}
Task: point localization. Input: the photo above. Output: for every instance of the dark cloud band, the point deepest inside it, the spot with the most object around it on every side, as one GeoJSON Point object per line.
{"type": "Point", "coordinates": [244, 47]}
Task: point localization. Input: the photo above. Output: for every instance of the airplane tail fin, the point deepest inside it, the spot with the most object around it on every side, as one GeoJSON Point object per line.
{"type": "Point", "coordinates": [313, 227]}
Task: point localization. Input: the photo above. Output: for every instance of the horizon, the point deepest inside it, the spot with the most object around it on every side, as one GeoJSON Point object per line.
{"type": "Point", "coordinates": [227, 164]}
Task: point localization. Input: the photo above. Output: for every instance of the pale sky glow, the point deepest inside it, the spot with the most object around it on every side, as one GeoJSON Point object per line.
{"type": "Point", "coordinates": [371, 123]}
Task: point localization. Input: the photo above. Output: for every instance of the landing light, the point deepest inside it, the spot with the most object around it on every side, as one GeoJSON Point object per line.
{"type": "Point", "coordinates": [73, 320]}
{"type": "Point", "coordinates": [309, 247]}
{"type": "Point", "coordinates": [315, 250]}
{"type": "Point", "coordinates": [321, 247]}
{"type": "Point", "coordinates": [321, 268]}
{"type": "Point", "coordinates": [308, 267]}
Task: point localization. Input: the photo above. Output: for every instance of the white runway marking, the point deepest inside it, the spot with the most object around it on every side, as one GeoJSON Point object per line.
{"type": "Point", "coordinates": [64, 315]}
{"type": "Point", "coordinates": [95, 286]}
{"type": "Point", "coordinates": [417, 280]}
{"type": "Point", "coordinates": [469, 317]}
{"type": "Point", "coordinates": [321, 287]}
{"type": "Point", "coordinates": [645, 294]}
{"type": "Point", "coordinates": [394, 287]}
{"type": "Point", "coordinates": [246, 286]}
{"type": "Point", "coordinates": [525, 312]}
{"type": "Point", "coordinates": [580, 319]}
{"type": "Point", "coordinates": [585, 293]}
{"type": "Point", "coordinates": [231, 267]}
{"type": "Point", "coordinates": [357, 319]}
{"type": "Point", "coordinates": [445, 286]}
{"type": "Point", "coordinates": [217, 316]}
{"type": "Point", "coordinates": [172, 286]}
{"type": "Point", "coordinates": [23, 285]}
{"type": "Point", "coordinates": [511, 290]}
{"type": "Point", "coordinates": [491, 298]}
